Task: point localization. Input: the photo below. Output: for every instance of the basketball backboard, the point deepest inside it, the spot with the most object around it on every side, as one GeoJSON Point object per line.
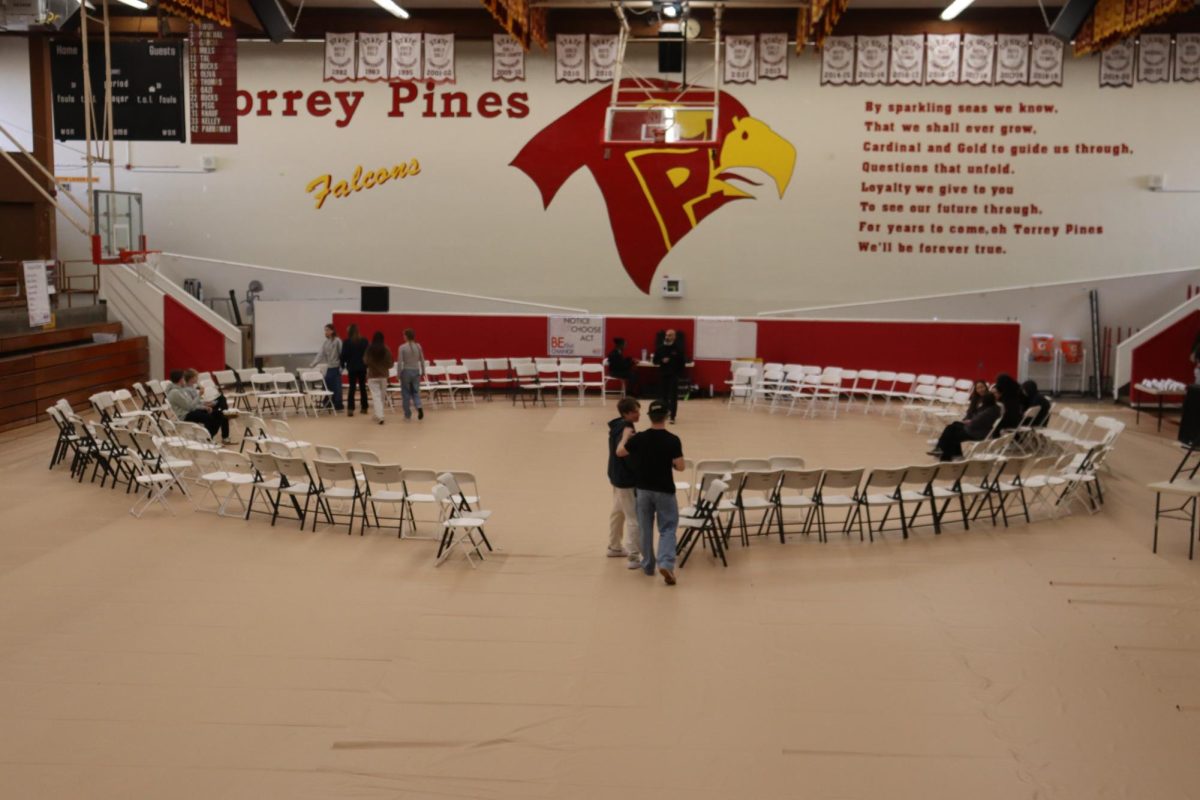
{"type": "Point", "coordinates": [118, 224]}
{"type": "Point", "coordinates": [661, 123]}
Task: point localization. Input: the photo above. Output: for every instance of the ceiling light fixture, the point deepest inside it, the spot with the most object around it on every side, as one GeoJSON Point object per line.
{"type": "Point", "coordinates": [670, 10]}
{"type": "Point", "coordinates": [954, 9]}
{"type": "Point", "coordinates": [393, 9]}
{"type": "Point", "coordinates": [138, 4]}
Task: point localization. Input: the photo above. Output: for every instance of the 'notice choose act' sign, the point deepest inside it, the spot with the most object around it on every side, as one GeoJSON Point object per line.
{"type": "Point", "coordinates": [147, 90]}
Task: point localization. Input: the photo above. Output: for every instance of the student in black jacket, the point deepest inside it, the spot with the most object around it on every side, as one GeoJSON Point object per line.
{"type": "Point", "coordinates": [671, 361]}
{"type": "Point", "coordinates": [353, 349]}
{"type": "Point", "coordinates": [1035, 398]}
{"type": "Point", "coordinates": [1012, 402]}
{"type": "Point", "coordinates": [623, 516]}
{"type": "Point", "coordinates": [974, 429]}
{"type": "Point", "coordinates": [621, 366]}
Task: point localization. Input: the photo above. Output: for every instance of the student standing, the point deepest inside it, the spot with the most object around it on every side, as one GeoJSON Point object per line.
{"type": "Point", "coordinates": [623, 516]}
{"type": "Point", "coordinates": [379, 366]}
{"type": "Point", "coordinates": [353, 350]}
{"type": "Point", "coordinates": [412, 367]}
{"type": "Point", "coordinates": [670, 358]}
{"type": "Point", "coordinates": [655, 453]}
{"type": "Point", "coordinates": [331, 358]}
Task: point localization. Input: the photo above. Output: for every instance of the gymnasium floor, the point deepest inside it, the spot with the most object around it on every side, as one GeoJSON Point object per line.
{"type": "Point", "coordinates": [204, 657]}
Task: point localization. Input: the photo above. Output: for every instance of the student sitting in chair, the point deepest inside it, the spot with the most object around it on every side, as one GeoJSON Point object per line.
{"type": "Point", "coordinates": [974, 429]}
{"type": "Point", "coordinates": [622, 367]}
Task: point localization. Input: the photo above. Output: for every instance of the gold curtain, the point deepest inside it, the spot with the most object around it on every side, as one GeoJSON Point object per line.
{"type": "Point", "coordinates": [521, 22]}
{"type": "Point", "coordinates": [199, 10]}
{"type": "Point", "coordinates": [816, 20]}
{"type": "Point", "coordinates": [1114, 20]}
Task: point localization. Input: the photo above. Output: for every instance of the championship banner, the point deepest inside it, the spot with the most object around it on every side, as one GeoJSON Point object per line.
{"type": "Point", "coordinates": [340, 64]}
{"type": "Point", "coordinates": [406, 57]}
{"type": "Point", "coordinates": [1012, 59]}
{"type": "Point", "coordinates": [1154, 58]}
{"type": "Point", "coordinates": [871, 60]}
{"type": "Point", "coordinates": [575, 336]}
{"type": "Point", "coordinates": [439, 57]}
{"type": "Point", "coordinates": [1046, 61]}
{"type": "Point", "coordinates": [739, 59]}
{"type": "Point", "coordinates": [373, 57]}
{"type": "Point", "coordinates": [908, 59]}
{"type": "Point", "coordinates": [602, 57]}
{"type": "Point", "coordinates": [978, 59]}
{"type": "Point", "coordinates": [570, 58]}
{"type": "Point", "coordinates": [508, 58]}
{"type": "Point", "coordinates": [1187, 57]}
{"type": "Point", "coordinates": [942, 54]}
{"type": "Point", "coordinates": [1116, 64]}
{"type": "Point", "coordinates": [837, 61]}
{"type": "Point", "coordinates": [772, 56]}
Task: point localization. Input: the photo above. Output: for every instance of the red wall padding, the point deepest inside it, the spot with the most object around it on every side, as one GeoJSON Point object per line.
{"type": "Point", "coordinates": [957, 349]}
{"type": "Point", "coordinates": [962, 350]}
{"type": "Point", "coordinates": [189, 341]}
{"type": "Point", "coordinates": [1166, 355]}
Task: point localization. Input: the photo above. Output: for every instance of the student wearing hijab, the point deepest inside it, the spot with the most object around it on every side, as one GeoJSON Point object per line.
{"type": "Point", "coordinates": [1012, 402]}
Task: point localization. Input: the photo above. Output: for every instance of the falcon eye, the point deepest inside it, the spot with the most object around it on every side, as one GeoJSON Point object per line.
{"type": "Point", "coordinates": [745, 135]}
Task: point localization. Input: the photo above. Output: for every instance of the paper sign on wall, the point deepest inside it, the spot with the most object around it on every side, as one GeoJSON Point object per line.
{"type": "Point", "coordinates": [871, 60]}
{"type": "Point", "coordinates": [340, 63]}
{"type": "Point", "coordinates": [772, 56]}
{"type": "Point", "coordinates": [602, 56]}
{"type": "Point", "coordinates": [570, 58]}
{"type": "Point", "coordinates": [739, 59]}
{"type": "Point", "coordinates": [837, 61]}
{"type": "Point", "coordinates": [1154, 58]}
{"type": "Point", "coordinates": [978, 59]}
{"type": "Point", "coordinates": [439, 57]}
{"type": "Point", "coordinates": [406, 57]}
{"type": "Point", "coordinates": [576, 336]}
{"type": "Point", "coordinates": [508, 58]}
{"type": "Point", "coordinates": [1116, 64]}
{"type": "Point", "coordinates": [37, 292]}
{"type": "Point", "coordinates": [372, 56]}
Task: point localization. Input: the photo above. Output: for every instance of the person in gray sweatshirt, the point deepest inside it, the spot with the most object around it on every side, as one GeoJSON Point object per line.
{"type": "Point", "coordinates": [330, 358]}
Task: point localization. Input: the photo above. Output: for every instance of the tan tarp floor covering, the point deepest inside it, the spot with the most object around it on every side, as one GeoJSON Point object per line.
{"type": "Point", "coordinates": [205, 657]}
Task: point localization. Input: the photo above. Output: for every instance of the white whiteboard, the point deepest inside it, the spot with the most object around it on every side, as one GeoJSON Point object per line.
{"type": "Point", "coordinates": [289, 327]}
{"type": "Point", "coordinates": [725, 338]}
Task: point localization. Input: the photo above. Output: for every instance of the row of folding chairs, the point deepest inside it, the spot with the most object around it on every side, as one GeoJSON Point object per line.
{"type": "Point", "coordinates": [877, 501]}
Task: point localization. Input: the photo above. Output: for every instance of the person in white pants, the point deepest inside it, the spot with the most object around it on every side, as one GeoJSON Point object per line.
{"type": "Point", "coordinates": [623, 516]}
{"type": "Point", "coordinates": [379, 365]}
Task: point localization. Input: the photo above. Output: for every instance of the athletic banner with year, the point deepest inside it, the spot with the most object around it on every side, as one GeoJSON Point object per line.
{"type": "Point", "coordinates": [837, 61]}
{"type": "Point", "coordinates": [1116, 64]}
{"type": "Point", "coordinates": [942, 52]}
{"type": "Point", "coordinates": [602, 57]}
{"type": "Point", "coordinates": [373, 57]}
{"type": "Point", "coordinates": [406, 57]}
{"type": "Point", "coordinates": [508, 58]}
{"type": "Point", "coordinates": [739, 59]}
{"type": "Point", "coordinates": [772, 56]}
{"type": "Point", "coordinates": [439, 57]}
{"type": "Point", "coordinates": [340, 63]}
{"type": "Point", "coordinates": [1187, 57]}
{"type": "Point", "coordinates": [978, 59]}
{"type": "Point", "coordinates": [570, 58]}
{"type": "Point", "coordinates": [1154, 58]}
{"type": "Point", "coordinates": [871, 60]}
{"type": "Point", "coordinates": [1046, 60]}
{"type": "Point", "coordinates": [1012, 59]}
{"type": "Point", "coordinates": [908, 60]}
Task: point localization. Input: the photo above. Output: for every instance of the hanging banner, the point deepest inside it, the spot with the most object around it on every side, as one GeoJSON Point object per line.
{"type": "Point", "coordinates": [1012, 59]}
{"type": "Point", "coordinates": [372, 56]}
{"type": "Point", "coordinates": [570, 58]}
{"type": "Point", "coordinates": [602, 57]}
{"type": "Point", "coordinates": [1046, 61]}
{"type": "Point", "coordinates": [575, 336]}
{"type": "Point", "coordinates": [871, 60]}
{"type": "Point", "coordinates": [508, 58]}
{"type": "Point", "coordinates": [340, 64]}
{"type": "Point", "coordinates": [837, 61]}
{"type": "Point", "coordinates": [772, 56]}
{"type": "Point", "coordinates": [908, 59]}
{"type": "Point", "coordinates": [37, 292]}
{"type": "Point", "coordinates": [1116, 64]}
{"type": "Point", "coordinates": [978, 59]}
{"type": "Point", "coordinates": [439, 57]}
{"type": "Point", "coordinates": [739, 59]}
{"type": "Point", "coordinates": [942, 53]}
{"type": "Point", "coordinates": [1154, 58]}
{"type": "Point", "coordinates": [406, 57]}
{"type": "Point", "coordinates": [212, 74]}
{"type": "Point", "coordinates": [1187, 57]}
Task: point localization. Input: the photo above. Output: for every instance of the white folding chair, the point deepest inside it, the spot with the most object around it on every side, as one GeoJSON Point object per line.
{"type": "Point", "coordinates": [319, 398]}
{"type": "Point", "coordinates": [458, 530]}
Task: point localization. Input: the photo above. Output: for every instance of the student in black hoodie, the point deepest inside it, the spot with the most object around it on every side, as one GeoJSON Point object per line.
{"type": "Point", "coordinates": [1012, 402]}
{"type": "Point", "coordinates": [1035, 398]}
{"type": "Point", "coordinates": [973, 429]}
{"type": "Point", "coordinates": [353, 349]}
{"type": "Point", "coordinates": [623, 516]}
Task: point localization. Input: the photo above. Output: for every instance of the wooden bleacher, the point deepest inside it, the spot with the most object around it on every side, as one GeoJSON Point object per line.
{"type": "Point", "coordinates": [38, 368]}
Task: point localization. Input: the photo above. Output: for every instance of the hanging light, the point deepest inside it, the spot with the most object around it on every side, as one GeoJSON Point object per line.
{"type": "Point", "coordinates": [955, 8]}
{"type": "Point", "coordinates": [138, 4]}
{"type": "Point", "coordinates": [393, 9]}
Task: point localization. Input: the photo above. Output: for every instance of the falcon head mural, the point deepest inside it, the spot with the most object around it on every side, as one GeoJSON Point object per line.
{"type": "Point", "coordinates": [656, 193]}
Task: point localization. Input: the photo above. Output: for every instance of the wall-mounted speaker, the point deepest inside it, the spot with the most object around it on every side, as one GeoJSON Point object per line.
{"type": "Point", "coordinates": [1070, 18]}
{"type": "Point", "coordinates": [274, 19]}
{"type": "Point", "coordinates": [670, 54]}
{"type": "Point", "coordinates": [375, 298]}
